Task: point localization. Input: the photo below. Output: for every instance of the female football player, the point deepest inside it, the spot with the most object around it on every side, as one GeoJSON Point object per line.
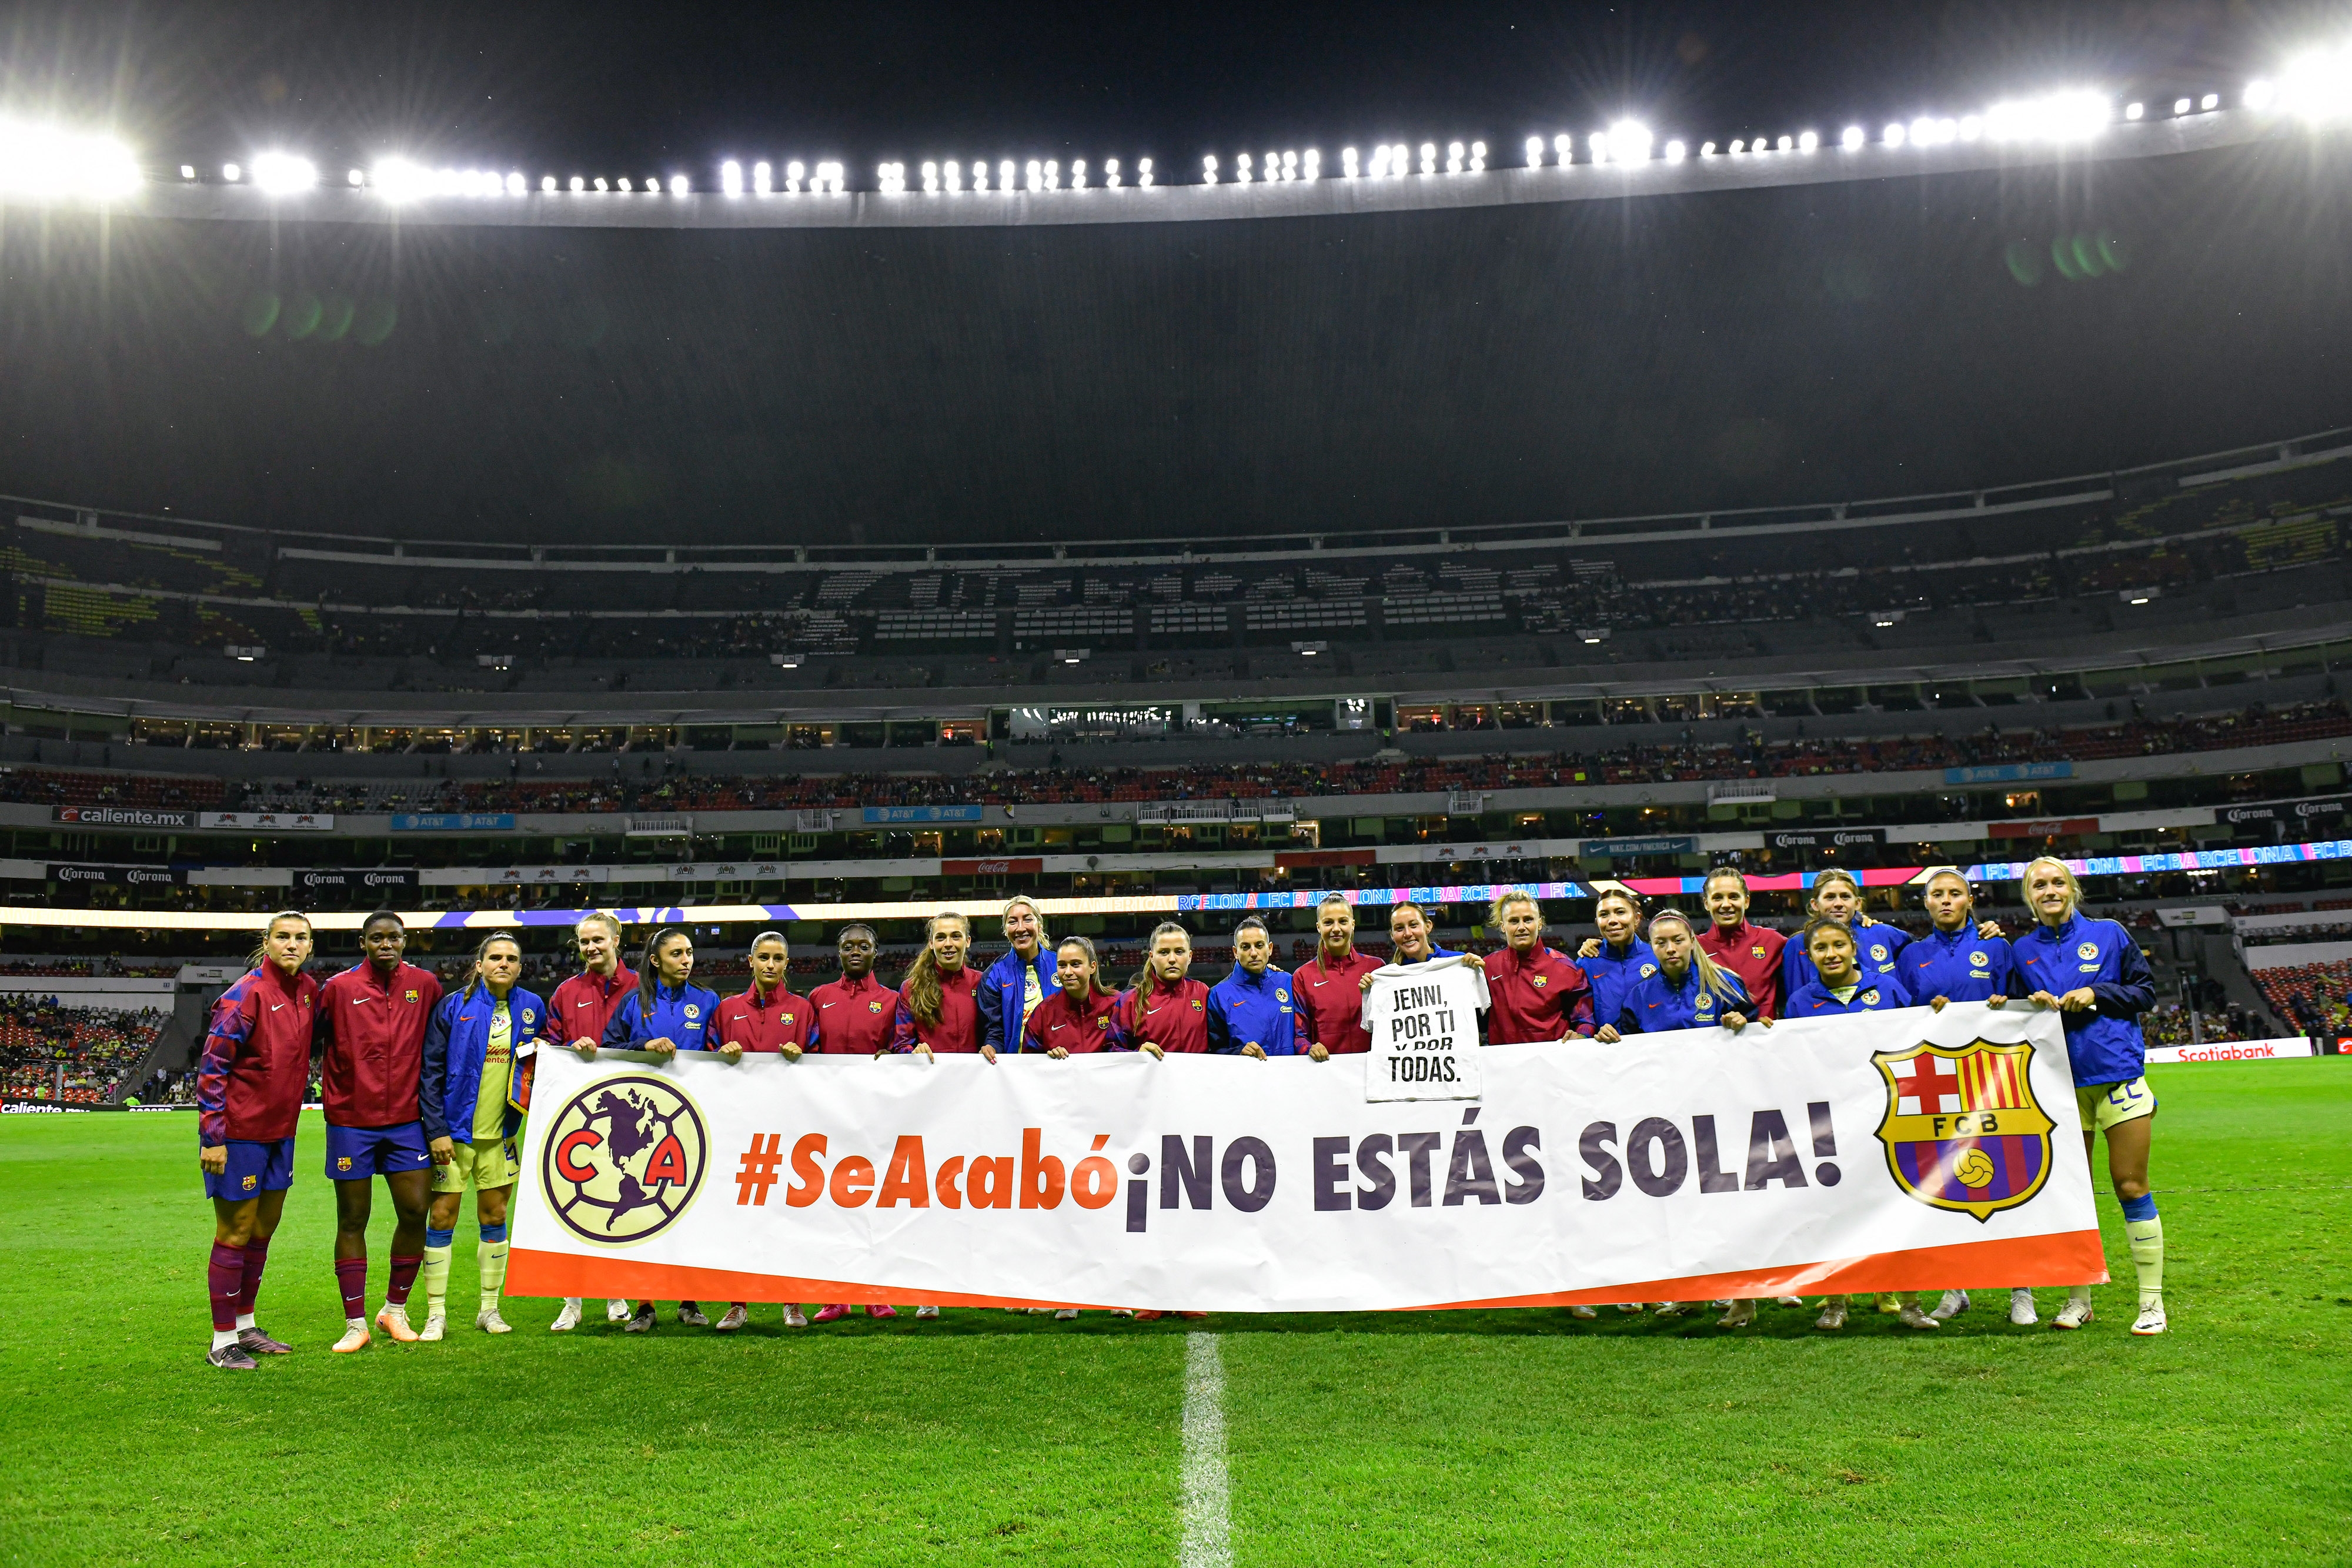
{"type": "Point", "coordinates": [1329, 992]}
{"type": "Point", "coordinates": [1749, 951]}
{"type": "Point", "coordinates": [1534, 992]}
{"type": "Point", "coordinates": [470, 1121]}
{"type": "Point", "coordinates": [1409, 934]}
{"type": "Point", "coordinates": [937, 1006]}
{"type": "Point", "coordinates": [1618, 959]}
{"type": "Point", "coordinates": [1956, 962]}
{"type": "Point", "coordinates": [249, 1084]}
{"type": "Point", "coordinates": [666, 1014]}
{"type": "Point", "coordinates": [2095, 975]}
{"type": "Point", "coordinates": [1081, 1015]}
{"type": "Point", "coordinates": [1688, 990]}
{"type": "Point", "coordinates": [1838, 896]}
{"type": "Point", "coordinates": [1168, 1011]}
{"type": "Point", "coordinates": [577, 1012]}
{"type": "Point", "coordinates": [1843, 987]}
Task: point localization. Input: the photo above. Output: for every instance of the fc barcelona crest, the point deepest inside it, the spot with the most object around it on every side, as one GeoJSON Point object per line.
{"type": "Point", "coordinates": [1962, 1129]}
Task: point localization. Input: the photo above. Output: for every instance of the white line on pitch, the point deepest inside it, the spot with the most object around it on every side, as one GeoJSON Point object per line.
{"type": "Point", "coordinates": [1208, 1524]}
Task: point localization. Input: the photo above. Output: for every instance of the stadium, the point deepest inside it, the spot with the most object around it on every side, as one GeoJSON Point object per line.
{"type": "Point", "coordinates": [1001, 595]}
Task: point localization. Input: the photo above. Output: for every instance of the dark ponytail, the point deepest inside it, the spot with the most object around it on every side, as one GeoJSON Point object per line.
{"type": "Point", "coordinates": [649, 972]}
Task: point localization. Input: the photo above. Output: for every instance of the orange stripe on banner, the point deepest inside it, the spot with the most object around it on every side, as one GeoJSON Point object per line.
{"type": "Point", "coordinates": [2069, 1258]}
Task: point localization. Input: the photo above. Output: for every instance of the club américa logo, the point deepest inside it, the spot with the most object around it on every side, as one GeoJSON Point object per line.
{"type": "Point", "coordinates": [624, 1159]}
{"type": "Point", "coordinates": [1962, 1129]}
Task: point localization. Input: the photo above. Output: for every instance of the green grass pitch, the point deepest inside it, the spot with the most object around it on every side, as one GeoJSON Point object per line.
{"type": "Point", "coordinates": [1411, 1437]}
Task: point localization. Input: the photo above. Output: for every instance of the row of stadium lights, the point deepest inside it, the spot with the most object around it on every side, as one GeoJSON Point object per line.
{"type": "Point", "coordinates": [45, 160]}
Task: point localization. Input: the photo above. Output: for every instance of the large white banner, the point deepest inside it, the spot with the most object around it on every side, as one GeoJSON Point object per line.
{"type": "Point", "coordinates": [1894, 1151]}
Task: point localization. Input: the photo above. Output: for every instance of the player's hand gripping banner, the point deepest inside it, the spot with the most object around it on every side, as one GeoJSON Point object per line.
{"type": "Point", "coordinates": [1890, 1150]}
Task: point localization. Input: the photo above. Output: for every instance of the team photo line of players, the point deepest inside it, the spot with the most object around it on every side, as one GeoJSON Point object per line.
{"type": "Point", "coordinates": [428, 1089]}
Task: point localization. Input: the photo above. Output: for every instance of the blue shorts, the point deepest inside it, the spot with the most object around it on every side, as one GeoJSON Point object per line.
{"type": "Point", "coordinates": [355, 1153]}
{"type": "Point", "coordinates": [254, 1169]}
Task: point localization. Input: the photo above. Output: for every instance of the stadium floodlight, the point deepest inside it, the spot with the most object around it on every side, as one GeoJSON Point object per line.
{"type": "Point", "coordinates": [2210, 102]}
{"type": "Point", "coordinates": [1853, 138]}
{"type": "Point", "coordinates": [1676, 151]}
{"type": "Point", "coordinates": [231, 173]}
{"type": "Point", "coordinates": [547, 182]}
{"type": "Point", "coordinates": [1807, 141]}
{"type": "Point", "coordinates": [600, 186]}
{"type": "Point", "coordinates": [1630, 142]}
{"type": "Point", "coordinates": [1347, 162]}
{"type": "Point", "coordinates": [1453, 151]}
{"type": "Point", "coordinates": [2260, 94]}
{"type": "Point", "coordinates": [1706, 149]}
{"type": "Point", "coordinates": [187, 171]}
{"type": "Point", "coordinates": [1565, 148]}
{"type": "Point", "coordinates": [1209, 169]}
{"type": "Point", "coordinates": [1143, 172]}
{"type": "Point", "coordinates": [1241, 168]}
{"type": "Point", "coordinates": [1737, 145]}
{"type": "Point", "coordinates": [932, 177]}
{"type": "Point", "coordinates": [1785, 144]}
{"type": "Point", "coordinates": [1535, 151]}
{"type": "Point", "coordinates": [2316, 86]}
{"type": "Point", "coordinates": [2134, 111]}
{"type": "Point", "coordinates": [1310, 165]}
{"type": "Point", "coordinates": [953, 175]}
{"type": "Point", "coordinates": [1971, 127]}
{"type": "Point", "coordinates": [356, 177]}
{"type": "Point", "coordinates": [284, 173]}
{"type": "Point", "coordinates": [45, 160]}
{"type": "Point", "coordinates": [731, 178]}
{"type": "Point", "coordinates": [1290, 165]}
{"type": "Point", "coordinates": [1894, 135]}
{"type": "Point", "coordinates": [1478, 157]}
{"type": "Point", "coordinates": [793, 172]}
{"type": "Point", "coordinates": [1379, 161]}
{"type": "Point", "coordinates": [2075, 115]}
{"type": "Point", "coordinates": [1077, 174]}
{"type": "Point", "coordinates": [761, 178]}
{"type": "Point", "coordinates": [516, 184]}
{"type": "Point", "coordinates": [677, 185]}
{"type": "Point", "coordinates": [1598, 143]}
{"type": "Point", "coordinates": [1429, 157]}
{"type": "Point", "coordinates": [1110, 174]}
{"type": "Point", "coordinates": [1004, 174]}
{"type": "Point", "coordinates": [623, 185]}
{"type": "Point", "coordinates": [578, 184]}
{"type": "Point", "coordinates": [2181, 106]}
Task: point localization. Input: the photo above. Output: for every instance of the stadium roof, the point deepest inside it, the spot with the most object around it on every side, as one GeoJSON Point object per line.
{"type": "Point", "coordinates": [1469, 350]}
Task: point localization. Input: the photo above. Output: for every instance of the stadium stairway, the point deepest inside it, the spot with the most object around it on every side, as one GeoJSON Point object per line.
{"type": "Point", "coordinates": [2221, 959]}
{"type": "Point", "coordinates": [173, 1045]}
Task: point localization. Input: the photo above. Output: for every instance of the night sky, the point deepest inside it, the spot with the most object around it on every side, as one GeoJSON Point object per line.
{"type": "Point", "coordinates": [1870, 338]}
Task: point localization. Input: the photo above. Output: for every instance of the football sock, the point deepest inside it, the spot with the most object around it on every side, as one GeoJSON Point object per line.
{"type": "Point", "coordinates": [403, 1278]}
{"type": "Point", "coordinates": [2147, 1233]}
{"type": "Point", "coordinates": [437, 1271]}
{"type": "Point", "coordinates": [493, 1260]}
{"type": "Point", "coordinates": [224, 1278]}
{"type": "Point", "coordinates": [257, 1253]}
{"type": "Point", "coordinates": [350, 1278]}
